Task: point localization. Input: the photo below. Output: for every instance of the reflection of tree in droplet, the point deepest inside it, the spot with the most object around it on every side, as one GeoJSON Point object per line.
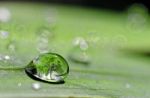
{"type": "Point", "coordinates": [137, 17]}
{"type": "Point", "coordinates": [79, 52]}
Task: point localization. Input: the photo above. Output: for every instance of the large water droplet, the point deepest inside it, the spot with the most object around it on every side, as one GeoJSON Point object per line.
{"type": "Point", "coordinates": [5, 15]}
{"type": "Point", "coordinates": [48, 67]}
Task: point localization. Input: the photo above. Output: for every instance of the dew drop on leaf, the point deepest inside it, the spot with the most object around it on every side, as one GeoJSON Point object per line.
{"type": "Point", "coordinates": [44, 36]}
{"type": "Point", "coordinates": [48, 67]}
{"type": "Point", "coordinates": [79, 53]}
{"type": "Point", "coordinates": [36, 86]}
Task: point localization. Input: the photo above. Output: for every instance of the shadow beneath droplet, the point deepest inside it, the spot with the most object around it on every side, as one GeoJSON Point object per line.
{"type": "Point", "coordinates": [74, 60]}
{"type": "Point", "coordinates": [136, 52]}
{"type": "Point", "coordinates": [37, 79]}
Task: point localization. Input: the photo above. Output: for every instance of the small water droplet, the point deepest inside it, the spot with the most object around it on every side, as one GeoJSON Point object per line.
{"type": "Point", "coordinates": [49, 67]}
{"type": "Point", "coordinates": [10, 61]}
{"type": "Point", "coordinates": [50, 15]}
{"type": "Point", "coordinates": [84, 45]}
{"type": "Point", "coordinates": [79, 52]}
{"type": "Point", "coordinates": [45, 32]}
{"type": "Point", "coordinates": [128, 85]}
{"type": "Point", "coordinates": [36, 86]}
{"type": "Point", "coordinates": [4, 34]}
{"type": "Point", "coordinates": [5, 15]}
{"type": "Point", "coordinates": [81, 42]}
{"type": "Point", "coordinates": [137, 17]}
{"type": "Point", "coordinates": [7, 57]}
{"type": "Point", "coordinates": [42, 45]}
{"type": "Point", "coordinates": [11, 46]}
{"type": "Point", "coordinates": [119, 41]}
{"type": "Point", "coordinates": [19, 84]}
{"type": "Point", "coordinates": [44, 36]}
{"type": "Point", "coordinates": [93, 38]}
{"type": "Point", "coordinates": [77, 41]}
{"type": "Point", "coordinates": [79, 56]}
{"type": "Point", "coordinates": [4, 58]}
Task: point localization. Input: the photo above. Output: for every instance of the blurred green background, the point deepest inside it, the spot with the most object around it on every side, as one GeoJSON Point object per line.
{"type": "Point", "coordinates": [108, 52]}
